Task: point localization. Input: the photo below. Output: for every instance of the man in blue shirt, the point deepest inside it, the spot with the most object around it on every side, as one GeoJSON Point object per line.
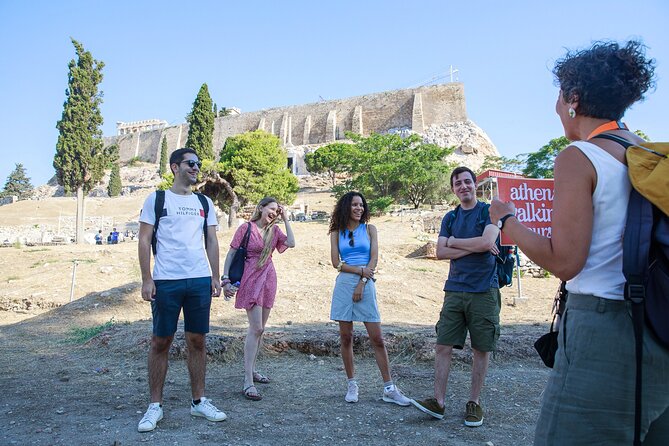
{"type": "Point", "coordinates": [114, 239]}
{"type": "Point", "coordinates": [472, 300]}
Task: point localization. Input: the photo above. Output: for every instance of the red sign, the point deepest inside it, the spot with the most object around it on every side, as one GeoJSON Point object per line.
{"type": "Point", "coordinates": [534, 203]}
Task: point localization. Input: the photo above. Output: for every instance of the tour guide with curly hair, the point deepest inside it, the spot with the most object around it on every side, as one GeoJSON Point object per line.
{"type": "Point", "coordinates": [589, 397]}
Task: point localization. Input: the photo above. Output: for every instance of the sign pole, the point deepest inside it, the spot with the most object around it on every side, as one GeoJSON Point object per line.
{"type": "Point", "coordinates": [520, 287]}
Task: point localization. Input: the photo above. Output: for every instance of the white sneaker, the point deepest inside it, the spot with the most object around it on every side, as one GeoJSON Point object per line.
{"type": "Point", "coordinates": [207, 410]}
{"type": "Point", "coordinates": [151, 418]}
{"type": "Point", "coordinates": [352, 392]}
{"type": "Point", "coordinates": [393, 395]}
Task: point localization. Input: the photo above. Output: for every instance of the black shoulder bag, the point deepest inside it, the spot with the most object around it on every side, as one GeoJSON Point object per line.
{"type": "Point", "coordinates": [237, 266]}
{"type": "Point", "coordinates": [547, 344]}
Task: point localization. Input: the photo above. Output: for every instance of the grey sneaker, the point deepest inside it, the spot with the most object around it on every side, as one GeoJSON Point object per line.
{"type": "Point", "coordinates": [207, 410]}
{"type": "Point", "coordinates": [430, 406]}
{"type": "Point", "coordinates": [474, 415]}
{"type": "Point", "coordinates": [151, 418]}
{"type": "Point", "coordinates": [352, 392]}
{"type": "Point", "coordinates": [393, 395]}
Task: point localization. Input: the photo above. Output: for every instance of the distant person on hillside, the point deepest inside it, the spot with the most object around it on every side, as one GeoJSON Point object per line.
{"type": "Point", "coordinates": [471, 295]}
{"type": "Point", "coordinates": [114, 238]}
{"type": "Point", "coordinates": [109, 239]}
{"type": "Point", "coordinates": [185, 276]}
{"type": "Point", "coordinates": [98, 237]}
{"type": "Point", "coordinates": [257, 288]}
{"type": "Point", "coordinates": [354, 252]}
{"type": "Point", "coordinates": [590, 395]}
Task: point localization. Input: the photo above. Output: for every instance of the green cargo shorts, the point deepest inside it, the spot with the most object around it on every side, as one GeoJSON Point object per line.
{"type": "Point", "coordinates": [476, 312]}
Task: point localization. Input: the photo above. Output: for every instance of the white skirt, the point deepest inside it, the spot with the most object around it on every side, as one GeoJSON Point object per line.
{"type": "Point", "coordinates": [344, 309]}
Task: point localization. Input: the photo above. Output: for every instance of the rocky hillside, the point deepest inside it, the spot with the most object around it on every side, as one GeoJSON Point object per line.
{"type": "Point", "coordinates": [133, 178]}
{"type": "Point", "coordinates": [471, 143]}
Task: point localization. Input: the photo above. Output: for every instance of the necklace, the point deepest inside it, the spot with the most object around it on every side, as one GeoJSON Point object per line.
{"type": "Point", "coordinates": [611, 125]}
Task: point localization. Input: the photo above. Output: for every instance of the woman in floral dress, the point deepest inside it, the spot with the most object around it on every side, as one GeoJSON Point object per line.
{"type": "Point", "coordinates": [257, 288]}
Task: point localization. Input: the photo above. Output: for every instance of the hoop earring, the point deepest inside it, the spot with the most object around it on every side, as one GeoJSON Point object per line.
{"type": "Point", "coordinates": [572, 112]}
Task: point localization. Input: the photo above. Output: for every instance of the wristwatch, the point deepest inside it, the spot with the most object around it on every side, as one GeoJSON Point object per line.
{"type": "Point", "coordinates": [364, 280]}
{"type": "Point", "coordinates": [500, 222]}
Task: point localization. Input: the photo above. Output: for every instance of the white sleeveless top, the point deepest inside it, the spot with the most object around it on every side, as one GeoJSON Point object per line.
{"type": "Point", "coordinates": [602, 275]}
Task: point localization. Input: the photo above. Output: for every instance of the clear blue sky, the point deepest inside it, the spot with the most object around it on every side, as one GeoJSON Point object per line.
{"type": "Point", "coordinates": [261, 54]}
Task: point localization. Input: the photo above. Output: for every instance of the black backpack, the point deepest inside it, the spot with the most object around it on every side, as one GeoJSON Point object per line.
{"type": "Point", "coordinates": [646, 270]}
{"type": "Point", "coordinates": [159, 208]}
{"type": "Point", "coordinates": [505, 260]}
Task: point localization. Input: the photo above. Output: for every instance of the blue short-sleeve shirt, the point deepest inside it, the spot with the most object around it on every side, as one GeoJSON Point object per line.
{"type": "Point", "coordinates": [476, 272]}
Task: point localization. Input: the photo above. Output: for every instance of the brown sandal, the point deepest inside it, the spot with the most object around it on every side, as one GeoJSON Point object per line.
{"type": "Point", "coordinates": [251, 395]}
{"type": "Point", "coordinates": [260, 378]}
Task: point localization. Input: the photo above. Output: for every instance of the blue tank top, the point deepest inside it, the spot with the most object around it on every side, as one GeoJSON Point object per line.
{"type": "Point", "coordinates": [359, 253]}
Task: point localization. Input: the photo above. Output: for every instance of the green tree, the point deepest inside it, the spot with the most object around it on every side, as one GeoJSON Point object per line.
{"type": "Point", "coordinates": [201, 125]}
{"type": "Point", "coordinates": [515, 165]}
{"type": "Point", "coordinates": [331, 159]}
{"type": "Point", "coordinates": [539, 164]}
{"type": "Point", "coordinates": [80, 159]}
{"type": "Point", "coordinates": [115, 186]}
{"type": "Point", "coordinates": [252, 165]}
{"type": "Point", "coordinates": [256, 167]}
{"type": "Point", "coordinates": [404, 169]}
{"type": "Point", "coordinates": [111, 156]}
{"type": "Point", "coordinates": [642, 134]}
{"type": "Point", "coordinates": [18, 184]}
{"type": "Point", "coordinates": [425, 174]}
{"type": "Point", "coordinates": [163, 157]}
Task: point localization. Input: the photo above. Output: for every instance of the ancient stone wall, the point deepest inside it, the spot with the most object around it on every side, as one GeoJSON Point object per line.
{"type": "Point", "coordinates": [303, 127]}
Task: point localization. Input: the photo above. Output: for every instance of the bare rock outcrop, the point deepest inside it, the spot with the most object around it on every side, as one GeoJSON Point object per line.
{"type": "Point", "coordinates": [471, 143]}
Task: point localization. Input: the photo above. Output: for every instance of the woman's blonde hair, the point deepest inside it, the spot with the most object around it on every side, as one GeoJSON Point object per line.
{"type": "Point", "coordinates": [267, 231]}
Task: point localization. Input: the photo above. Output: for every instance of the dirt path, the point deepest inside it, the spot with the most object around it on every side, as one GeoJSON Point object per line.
{"type": "Point", "coordinates": [57, 393]}
{"type": "Point", "coordinates": [56, 389]}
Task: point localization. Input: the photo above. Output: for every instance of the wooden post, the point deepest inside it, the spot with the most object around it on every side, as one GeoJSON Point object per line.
{"type": "Point", "coordinates": [74, 278]}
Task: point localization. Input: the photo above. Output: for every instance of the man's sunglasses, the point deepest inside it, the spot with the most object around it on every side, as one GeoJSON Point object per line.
{"type": "Point", "coordinates": [192, 163]}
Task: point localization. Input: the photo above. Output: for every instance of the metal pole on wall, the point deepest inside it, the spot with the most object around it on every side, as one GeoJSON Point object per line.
{"type": "Point", "coordinates": [74, 278]}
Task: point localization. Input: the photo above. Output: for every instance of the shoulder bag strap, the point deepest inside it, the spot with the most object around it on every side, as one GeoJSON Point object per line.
{"type": "Point", "coordinates": [245, 240]}
{"type": "Point", "coordinates": [158, 211]}
{"type": "Point", "coordinates": [205, 208]}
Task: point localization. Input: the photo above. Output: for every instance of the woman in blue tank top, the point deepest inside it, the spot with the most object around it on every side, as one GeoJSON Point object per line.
{"type": "Point", "coordinates": [354, 253]}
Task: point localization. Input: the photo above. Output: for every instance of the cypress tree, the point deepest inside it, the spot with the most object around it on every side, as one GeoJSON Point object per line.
{"type": "Point", "coordinates": [18, 184]}
{"type": "Point", "coordinates": [201, 125]}
{"type": "Point", "coordinates": [111, 156]}
{"type": "Point", "coordinates": [115, 186]}
{"type": "Point", "coordinates": [163, 157]}
{"type": "Point", "coordinates": [80, 160]}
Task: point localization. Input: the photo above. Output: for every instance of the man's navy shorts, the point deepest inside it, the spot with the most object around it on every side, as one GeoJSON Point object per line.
{"type": "Point", "coordinates": [193, 295]}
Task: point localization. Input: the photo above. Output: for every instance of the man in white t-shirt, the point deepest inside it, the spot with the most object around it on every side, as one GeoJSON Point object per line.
{"type": "Point", "coordinates": [185, 277]}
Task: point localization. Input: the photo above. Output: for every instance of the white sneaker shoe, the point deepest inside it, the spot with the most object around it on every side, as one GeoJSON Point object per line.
{"type": "Point", "coordinates": [352, 392]}
{"type": "Point", "coordinates": [207, 410]}
{"type": "Point", "coordinates": [151, 418]}
{"type": "Point", "coordinates": [393, 395]}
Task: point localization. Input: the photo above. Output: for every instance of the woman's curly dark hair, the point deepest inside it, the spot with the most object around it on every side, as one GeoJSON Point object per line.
{"type": "Point", "coordinates": [342, 212]}
{"type": "Point", "coordinates": [606, 78]}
